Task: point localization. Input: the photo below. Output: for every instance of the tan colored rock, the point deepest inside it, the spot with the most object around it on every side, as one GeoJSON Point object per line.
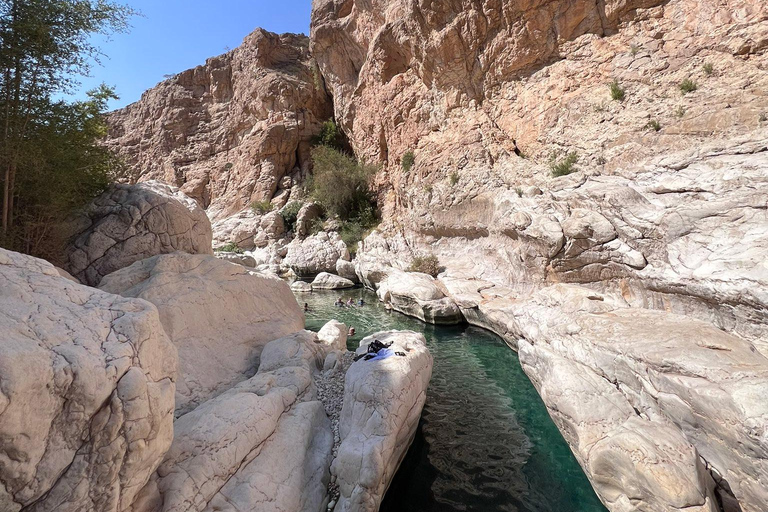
{"type": "Point", "coordinates": [86, 410]}
{"type": "Point", "coordinates": [218, 314]}
{"type": "Point", "coordinates": [230, 131]}
{"type": "Point", "coordinates": [382, 406]}
{"type": "Point", "coordinates": [129, 223]}
{"type": "Point", "coordinates": [326, 281]}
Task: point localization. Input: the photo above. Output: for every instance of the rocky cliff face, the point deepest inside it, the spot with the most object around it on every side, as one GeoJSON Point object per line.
{"type": "Point", "coordinates": [591, 175]}
{"type": "Point", "coordinates": [230, 132]}
{"type": "Point", "coordinates": [657, 221]}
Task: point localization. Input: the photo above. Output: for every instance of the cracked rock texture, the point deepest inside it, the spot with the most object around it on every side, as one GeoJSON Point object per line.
{"type": "Point", "coordinates": [663, 219]}
{"type": "Point", "coordinates": [382, 406]}
{"type": "Point", "coordinates": [86, 392]}
{"type": "Point", "coordinates": [129, 223]}
{"type": "Point", "coordinates": [418, 295]}
{"type": "Point", "coordinates": [326, 281]}
{"type": "Point", "coordinates": [218, 314]}
{"type": "Point", "coordinates": [232, 131]}
{"type": "Point", "coordinates": [265, 444]}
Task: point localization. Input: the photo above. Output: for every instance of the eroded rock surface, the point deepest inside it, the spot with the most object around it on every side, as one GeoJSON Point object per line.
{"type": "Point", "coordinates": [316, 253]}
{"type": "Point", "coordinates": [218, 314]}
{"type": "Point", "coordinates": [382, 406]}
{"type": "Point", "coordinates": [233, 131]}
{"type": "Point", "coordinates": [418, 295]}
{"type": "Point", "coordinates": [326, 281]}
{"type": "Point", "coordinates": [265, 444]}
{"type": "Point", "coordinates": [86, 408]}
{"type": "Point", "coordinates": [129, 223]}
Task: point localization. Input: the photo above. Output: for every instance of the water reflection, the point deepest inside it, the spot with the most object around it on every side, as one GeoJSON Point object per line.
{"type": "Point", "coordinates": [486, 442]}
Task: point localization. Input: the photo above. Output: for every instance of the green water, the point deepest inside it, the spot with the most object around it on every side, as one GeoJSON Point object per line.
{"type": "Point", "coordinates": [485, 442]}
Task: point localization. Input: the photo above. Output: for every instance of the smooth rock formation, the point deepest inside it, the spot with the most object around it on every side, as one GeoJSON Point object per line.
{"type": "Point", "coordinates": [86, 408]}
{"type": "Point", "coordinates": [316, 253]}
{"type": "Point", "coordinates": [326, 281]}
{"type": "Point", "coordinates": [263, 445]}
{"type": "Point", "coordinates": [346, 269]}
{"type": "Point", "coordinates": [218, 314]}
{"type": "Point", "coordinates": [129, 223]}
{"type": "Point", "coordinates": [333, 335]}
{"type": "Point", "coordinates": [233, 257]}
{"type": "Point", "coordinates": [418, 295]}
{"type": "Point", "coordinates": [301, 287]}
{"type": "Point", "coordinates": [233, 131]}
{"type": "Point", "coordinates": [636, 463]}
{"type": "Point", "coordinates": [382, 406]}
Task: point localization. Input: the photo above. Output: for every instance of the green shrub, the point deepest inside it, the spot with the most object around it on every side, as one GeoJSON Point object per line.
{"type": "Point", "coordinates": [679, 111]}
{"type": "Point", "coordinates": [428, 188]}
{"type": "Point", "coordinates": [228, 166]}
{"type": "Point", "coordinates": [617, 92]}
{"type": "Point", "coordinates": [454, 178]}
{"type": "Point", "coordinates": [340, 183]}
{"type": "Point", "coordinates": [708, 69]}
{"type": "Point", "coordinates": [230, 247]}
{"type": "Point", "coordinates": [634, 49]}
{"type": "Point", "coordinates": [408, 160]}
{"type": "Point", "coordinates": [262, 207]}
{"type": "Point", "coordinates": [519, 192]}
{"type": "Point", "coordinates": [687, 86]}
{"type": "Point", "coordinates": [565, 166]}
{"type": "Point", "coordinates": [426, 265]}
{"type": "Point", "coordinates": [330, 135]}
{"type": "Point", "coordinates": [653, 125]}
{"type": "Point", "coordinates": [763, 117]}
{"type": "Point", "coordinates": [290, 214]}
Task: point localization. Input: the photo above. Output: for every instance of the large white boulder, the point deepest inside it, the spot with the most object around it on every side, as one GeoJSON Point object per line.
{"type": "Point", "coordinates": [129, 223]}
{"type": "Point", "coordinates": [334, 335]}
{"type": "Point", "coordinates": [218, 314]}
{"type": "Point", "coordinates": [327, 281]}
{"type": "Point", "coordinates": [346, 269]}
{"type": "Point", "coordinates": [316, 253]}
{"type": "Point", "coordinates": [418, 295]}
{"type": "Point", "coordinates": [266, 444]}
{"type": "Point", "coordinates": [382, 406]}
{"type": "Point", "coordinates": [87, 380]}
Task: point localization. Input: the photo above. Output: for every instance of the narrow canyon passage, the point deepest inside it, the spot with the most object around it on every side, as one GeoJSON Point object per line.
{"type": "Point", "coordinates": [486, 442]}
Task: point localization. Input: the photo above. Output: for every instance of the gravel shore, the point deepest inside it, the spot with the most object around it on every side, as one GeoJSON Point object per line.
{"type": "Point", "coordinates": [330, 391]}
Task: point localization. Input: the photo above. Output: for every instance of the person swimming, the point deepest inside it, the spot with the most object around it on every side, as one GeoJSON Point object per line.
{"type": "Point", "coordinates": [306, 307]}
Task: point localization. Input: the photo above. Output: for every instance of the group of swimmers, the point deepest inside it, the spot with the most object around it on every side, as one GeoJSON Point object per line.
{"type": "Point", "coordinates": [349, 304]}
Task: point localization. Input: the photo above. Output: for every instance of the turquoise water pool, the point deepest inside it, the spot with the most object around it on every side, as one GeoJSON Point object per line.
{"type": "Point", "coordinates": [485, 442]}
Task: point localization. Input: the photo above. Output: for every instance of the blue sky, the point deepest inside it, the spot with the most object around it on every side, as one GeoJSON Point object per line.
{"type": "Point", "coordinates": [174, 35]}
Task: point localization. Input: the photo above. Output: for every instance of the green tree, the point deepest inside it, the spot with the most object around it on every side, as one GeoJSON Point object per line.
{"type": "Point", "coordinates": [50, 159]}
{"type": "Point", "coordinates": [340, 183]}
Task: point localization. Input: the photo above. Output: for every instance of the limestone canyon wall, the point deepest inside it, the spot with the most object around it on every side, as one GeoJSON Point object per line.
{"type": "Point", "coordinates": [232, 131]}
{"type": "Point", "coordinates": [660, 231]}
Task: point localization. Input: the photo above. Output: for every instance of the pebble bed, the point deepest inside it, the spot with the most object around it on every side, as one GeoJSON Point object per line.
{"type": "Point", "coordinates": [330, 391]}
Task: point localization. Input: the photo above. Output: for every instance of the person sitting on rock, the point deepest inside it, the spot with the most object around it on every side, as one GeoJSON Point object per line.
{"type": "Point", "coordinates": [351, 331]}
